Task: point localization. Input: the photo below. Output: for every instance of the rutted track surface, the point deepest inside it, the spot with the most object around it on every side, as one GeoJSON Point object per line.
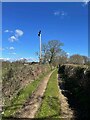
{"type": "Point", "coordinates": [32, 105]}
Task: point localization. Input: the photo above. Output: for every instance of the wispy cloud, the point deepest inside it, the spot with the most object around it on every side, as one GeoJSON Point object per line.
{"type": "Point", "coordinates": [29, 59]}
{"type": "Point", "coordinates": [15, 36]}
{"type": "Point", "coordinates": [18, 33]}
{"type": "Point", "coordinates": [8, 59]}
{"type": "Point", "coordinates": [7, 31]}
{"type": "Point", "coordinates": [13, 53]}
{"type": "Point", "coordinates": [5, 59]}
{"type": "Point", "coordinates": [15, 59]}
{"type": "Point", "coordinates": [12, 39]}
{"type": "Point", "coordinates": [11, 48]}
{"type": "Point", "coordinates": [60, 13]}
{"type": "Point", "coordinates": [68, 53]}
{"type": "Point", "coordinates": [7, 48]}
{"type": "Point", "coordinates": [57, 13]}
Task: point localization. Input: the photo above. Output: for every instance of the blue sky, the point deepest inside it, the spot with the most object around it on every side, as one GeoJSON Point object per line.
{"type": "Point", "coordinates": [64, 21]}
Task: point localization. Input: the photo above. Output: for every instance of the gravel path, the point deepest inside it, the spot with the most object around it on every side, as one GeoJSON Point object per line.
{"type": "Point", "coordinates": [33, 104]}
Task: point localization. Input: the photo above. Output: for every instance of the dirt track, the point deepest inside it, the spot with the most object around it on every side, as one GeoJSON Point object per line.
{"type": "Point", "coordinates": [34, 102]}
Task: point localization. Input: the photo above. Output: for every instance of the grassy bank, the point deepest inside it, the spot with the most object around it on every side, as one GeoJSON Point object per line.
{"type": "Point", "coordinates": [16, 75]}
{"type": "Point", "coordinates": [76, 80]}
{"type": "Point", "coordinates": [50, 107]}
{"type": "Point", "coordinates": [18, 101]}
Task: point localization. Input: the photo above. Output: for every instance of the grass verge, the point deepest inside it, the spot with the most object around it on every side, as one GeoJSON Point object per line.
{"type": "Point", "coordinates": [50, 107]}
{"type": "Point", "coordinates": [18, 101]}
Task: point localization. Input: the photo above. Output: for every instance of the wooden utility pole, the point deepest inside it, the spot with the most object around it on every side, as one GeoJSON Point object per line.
{"type": "Point", "coordinates": [39, 34]}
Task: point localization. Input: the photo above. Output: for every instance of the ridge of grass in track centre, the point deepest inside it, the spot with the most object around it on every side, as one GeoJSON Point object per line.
{"type": "Point", "coordinates": [50, 107]}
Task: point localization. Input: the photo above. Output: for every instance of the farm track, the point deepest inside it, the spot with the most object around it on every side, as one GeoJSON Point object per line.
{"type": "Point", "coordinates": [32, 105]}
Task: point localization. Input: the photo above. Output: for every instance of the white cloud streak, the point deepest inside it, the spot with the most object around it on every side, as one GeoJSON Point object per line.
{"type": "Point", "coordinates": [11, 48]}
{"type": "Point", "coordinates": [8, 31]}
{"type": "Point", "coordinates": [15, 59]}
{"type": "Point", "coordinates": [18, 33]}
{"type": "Point", "coordinates": [68, 53]}
{"type": "Point", "coordinates": [57, 13]}
{"type": "Point", "coordinates": [12, 53]}
{"type": "Point", "coordinates": [60, 13]}
{"type": "Point", "coordinates": [12, 39]}
{"type": "Point", "coordinates": [7, 48]}
{"type": "Point", "coordinates": [5, 59]}
{"type": "Point", "coordinates": [29, 59]}
{"type": "Point", "coordinates": [15, 36]}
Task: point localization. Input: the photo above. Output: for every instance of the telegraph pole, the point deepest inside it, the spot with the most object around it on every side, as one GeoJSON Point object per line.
{"type": "Point", "coordinates": [39, 34]}
{"type": "Point", "coordinates": [40, 49]}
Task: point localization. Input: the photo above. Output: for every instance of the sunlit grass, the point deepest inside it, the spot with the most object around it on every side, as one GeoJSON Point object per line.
{"type": "Point", "coordinates": [51, 102]}
{"type": "Point", "coordinates": [18, 101]}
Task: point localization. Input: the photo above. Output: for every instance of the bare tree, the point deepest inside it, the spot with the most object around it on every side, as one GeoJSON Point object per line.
{"type": "Point", "coordinates": [62, 58]}
{"type": "Point", "coordinates": [51, 50]}
{"type": "Point", "coordinates": [76, 59]}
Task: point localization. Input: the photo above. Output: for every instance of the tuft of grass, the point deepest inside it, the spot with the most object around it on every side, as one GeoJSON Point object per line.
{"type": "Point", "coordinates": [50, 107]}
{"type": "Point", "coordinates": [18, 101]}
